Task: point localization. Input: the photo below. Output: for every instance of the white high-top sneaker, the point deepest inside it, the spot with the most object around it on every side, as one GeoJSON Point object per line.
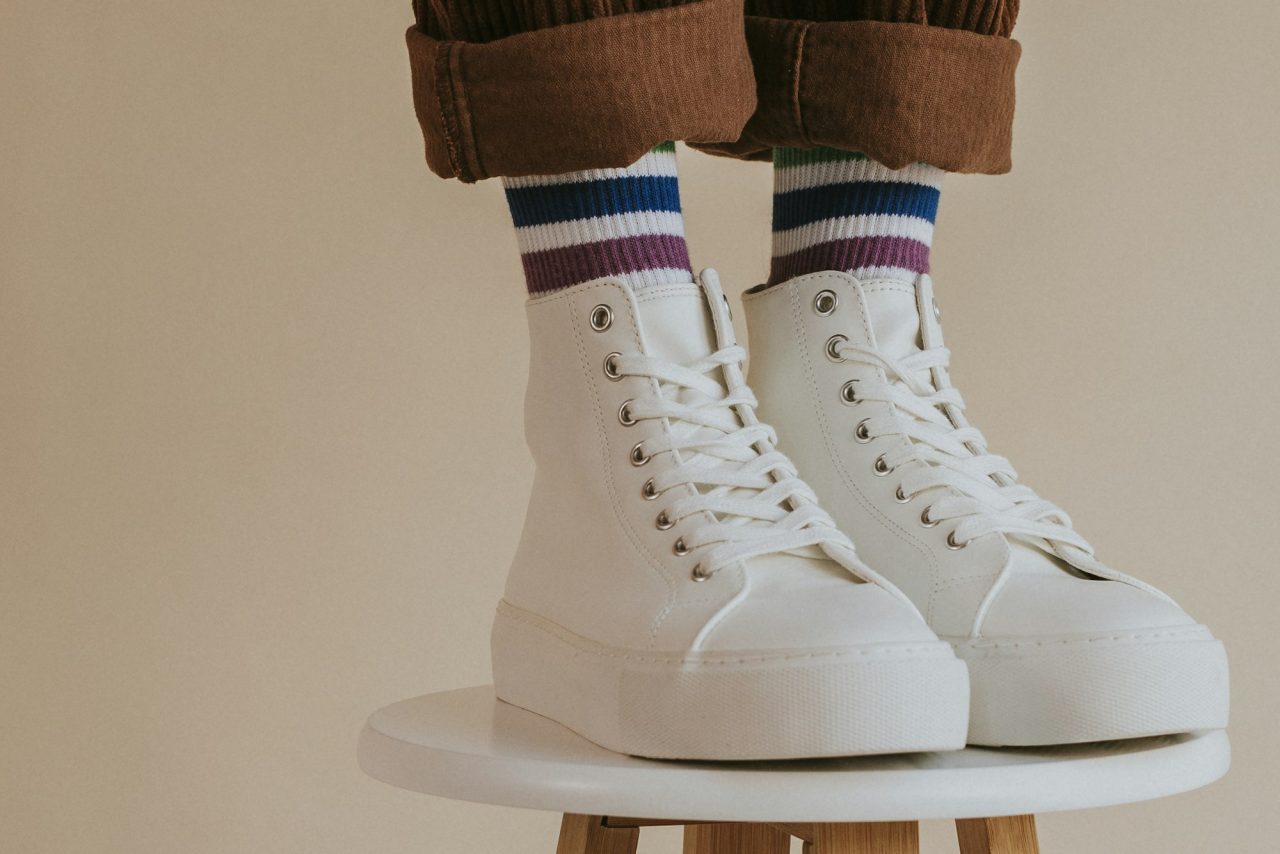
{"type": "Point", "coordinates": [1060, 647]}
{"type": "Point", "coordinates": [677, 592]}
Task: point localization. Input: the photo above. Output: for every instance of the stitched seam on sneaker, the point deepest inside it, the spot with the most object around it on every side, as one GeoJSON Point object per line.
{"type": "Point", "coordinates": [1198, 632]}
{"type": "Point", "coordinates": [590, 647]}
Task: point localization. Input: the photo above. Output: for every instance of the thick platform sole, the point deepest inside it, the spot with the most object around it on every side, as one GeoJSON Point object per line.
{"type": "Point", "coordinates": [1068, 690]}
{"type": "Point", "coordinates": [890, 698]}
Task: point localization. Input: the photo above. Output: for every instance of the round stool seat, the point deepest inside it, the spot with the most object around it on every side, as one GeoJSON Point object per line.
{"type": "Point", "coordinates": [467, 745]}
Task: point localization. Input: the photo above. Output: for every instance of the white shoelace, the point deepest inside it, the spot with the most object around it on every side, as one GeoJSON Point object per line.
{"type": "Point", "coordinates": [748, 494]}
{"type": "Point", "coordinates": [943, 451]}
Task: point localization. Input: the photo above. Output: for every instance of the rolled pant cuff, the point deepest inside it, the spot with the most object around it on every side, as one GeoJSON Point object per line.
{"type": "Point", "coordinates": [587, 95]}
{"type": "Point", "coordinates": [900, 93]}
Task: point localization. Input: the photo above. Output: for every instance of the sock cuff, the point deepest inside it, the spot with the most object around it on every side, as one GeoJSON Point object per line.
{"type": "Point", "coordinates": [840, 210]}
{"type": "Point", "coordinates": [580, 226]}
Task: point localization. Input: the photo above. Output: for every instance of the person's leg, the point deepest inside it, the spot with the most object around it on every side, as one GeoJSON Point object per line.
{"type": "Point", "coordinates": [849, 363]}
{"type": "Point", "coordinates": [863, 106]}
{"type": "Point", "coordinates": [673, 569]}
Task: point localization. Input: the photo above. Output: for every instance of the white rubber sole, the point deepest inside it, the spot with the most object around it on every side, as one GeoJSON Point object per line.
{"type": "Point", "coordinates": [1068, 690]}
{"type": "Point", "coordinates": [890, 698]}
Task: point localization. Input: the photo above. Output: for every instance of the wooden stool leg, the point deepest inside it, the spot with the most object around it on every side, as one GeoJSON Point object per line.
{"type": "Point", "coordinates": [879, 837]}
{"type": "Point", "coordinates": [1015, 834]}
{"type": "Point", "coordinates": [587, 834]}
{"type": "Point", "coordinates": [735, 838]}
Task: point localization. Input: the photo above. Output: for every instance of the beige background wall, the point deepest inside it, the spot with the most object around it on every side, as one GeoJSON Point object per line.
{"type": "Point", "coordinates": [260, 378]}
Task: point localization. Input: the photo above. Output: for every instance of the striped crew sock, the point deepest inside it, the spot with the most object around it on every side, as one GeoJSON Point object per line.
{"type": "Point", "coordinates": [835, 210]}
{"type": "Point", "coordinates": [580, 226]}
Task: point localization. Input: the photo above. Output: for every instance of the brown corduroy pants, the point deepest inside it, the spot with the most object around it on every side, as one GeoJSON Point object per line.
{"type": "Point", "coordinates": [541, 87]}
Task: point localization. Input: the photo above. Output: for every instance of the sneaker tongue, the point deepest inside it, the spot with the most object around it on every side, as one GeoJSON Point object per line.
{"type": "Point", "coordinates": [677, 326]}
{"type": "Point", "coordinates": [894, 316]}
{"type": "Point", "coordinates": [676, 323]}
{"type": "Point", "coordinates": [893, 308]}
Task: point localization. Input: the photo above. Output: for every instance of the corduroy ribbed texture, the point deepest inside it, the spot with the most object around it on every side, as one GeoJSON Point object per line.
{"type": "Point", "coordinates": [541, 87]}
{"type": "Point", "coordinates": [594, 93]}
{"type": "Point", "coordinates": [622, 223]}
{"type": "Point", "coordinates": [836, 210]}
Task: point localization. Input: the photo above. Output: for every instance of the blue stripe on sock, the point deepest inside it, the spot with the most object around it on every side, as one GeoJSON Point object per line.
{"type": "Point", "coordinates": [585, 199]}
{"type": "Point", "coordinates": [856, 198]}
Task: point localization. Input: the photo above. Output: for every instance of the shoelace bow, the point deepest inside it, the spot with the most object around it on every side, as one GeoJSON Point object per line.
{"type": "Point", "coordinates": [748, 494]}
{"type": "Point", "coordinates": [943, 450]}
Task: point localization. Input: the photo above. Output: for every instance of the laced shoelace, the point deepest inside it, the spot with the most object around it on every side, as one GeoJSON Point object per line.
{"type": "Point", "coordinates": [942, 451]}
{"type": "Point", "coordinates": [747, 494]}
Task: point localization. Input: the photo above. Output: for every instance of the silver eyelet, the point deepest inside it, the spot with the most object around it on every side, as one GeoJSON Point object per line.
{"type": "Point", "coordinates": [924, 518]}
{"type": "Point", "coordinates": [880, 467]}
{"type": "Point", "coordinates": [664, 522]}
{"type": "Point", "coordinates": [860, 432]}
{"type": "Point", "coordinates": [699, 574]}
{"type": "Point", "coordinates": [624, 414]}
{"type": "Point", "coordinates": [649, 491]}
{"type": "Point", "coordinates": [825, 302]}
{"type": "Point", "coordinates": [937, 312]}
{"type": "Point", "coordinates": [849, 392]}
{"type": "Point", "coordinates": [601, 318]}
{"type": "Point", "coordinates": [900, 496]}
{"type": "Point", "coordinates": [833, 344]}
{"type": "Point", "coordinates": [611, 366]}
{"type": "Point", "coordinates": [680, 548]}
{"type": "Point", "coordinates": [952, 544]}
{"type": "Point", "coordinates": [638, 457]}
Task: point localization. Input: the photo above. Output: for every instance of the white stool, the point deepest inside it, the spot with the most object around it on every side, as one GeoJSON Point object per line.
{"type": "Point", "coordinates": [468, 746]}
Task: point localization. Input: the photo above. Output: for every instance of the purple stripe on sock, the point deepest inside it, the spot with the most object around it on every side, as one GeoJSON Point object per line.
{"type": "Point", "coordinates": [851, 254]}
{"type": "Point", "coordinates": [552, 269]}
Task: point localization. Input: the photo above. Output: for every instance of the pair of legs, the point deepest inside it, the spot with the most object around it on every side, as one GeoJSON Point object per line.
{"type": "Point", "coordinates": [682, 588]}
{"type": "Point", "coordinates": [562, 97]}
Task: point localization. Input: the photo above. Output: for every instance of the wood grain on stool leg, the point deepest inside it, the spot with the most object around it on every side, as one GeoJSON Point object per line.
{"type": "Point", "coordinates": [735, 838]}
{"type": "Point", "coordinates": [586, 834]}
{"type": "Point", "coordinates": [879, 837]}
{"type": "Point", "coordinates": [1014, 834]}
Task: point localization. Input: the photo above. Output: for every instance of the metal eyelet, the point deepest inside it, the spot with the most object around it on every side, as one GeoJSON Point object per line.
{"type": "Point", "coordinates": [611, 366]}
{"type": "Point", "coordinates": [638, 457]}
{"type": "Point", "coordinates": [937, 312]}
{"type": "Point", "coordinates": [825, 303]}
{"type": "Point", "coordinates": [849, 393]}
{"type": "Point", "coordinates": [624, 414]}
{"type": "Point", "coordinates": [649, 491]}
{"type": "Point", "coordinates": [699, 574]}
{"type": "Point", "coordinates": [664, 522]}
{"type": "Point", "coordinates": [925, 520]}
{"type": "Point", "coordinates": [860, 432]}
{"type": "Point", "coordinates": [900, 496]}
{"type": "Point", "coordinates": [833, 344]}
{"type": "Point", "coordinates": [680, 548]}
{"type": "Point", "coordinates": [952, 544]}
{"type": "Point", "coordinates": [880, 467]}
{"type": "Point", "coordinates": [601, 318]}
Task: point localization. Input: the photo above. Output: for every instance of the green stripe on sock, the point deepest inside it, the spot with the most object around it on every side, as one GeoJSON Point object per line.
{"type": "Point", "coordinates": [667, 147]}
{"type": "Point", "coordinates": [785, 158]}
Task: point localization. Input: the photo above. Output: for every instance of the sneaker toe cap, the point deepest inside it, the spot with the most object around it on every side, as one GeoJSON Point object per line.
{"type": "Point", "coordinates": [1066, 605]}
{"type": "Point", "coordinates": [827, 611]}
